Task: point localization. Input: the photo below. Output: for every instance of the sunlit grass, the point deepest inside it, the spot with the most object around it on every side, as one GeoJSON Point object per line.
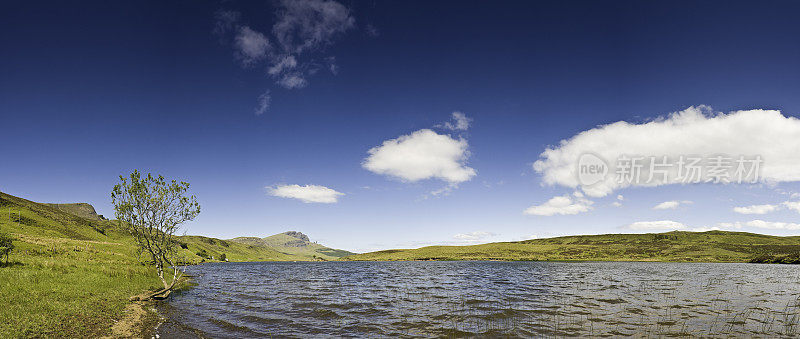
{"type": "Point", "coordinates": [713, 246]}
{"type": "Point", "coordinates": [72, 277]}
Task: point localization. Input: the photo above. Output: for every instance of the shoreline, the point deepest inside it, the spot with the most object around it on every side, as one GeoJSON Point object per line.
{"type": "Point", "coordinates": [141, 318]}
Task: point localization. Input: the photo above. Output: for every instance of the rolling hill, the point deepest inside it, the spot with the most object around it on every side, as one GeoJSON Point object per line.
{"type": "Point", "coordinates": [80, 209]}
{"type": "Point", "coordinates": [711, 246]}
{"type": "Point", "coordinates": [71, 271]}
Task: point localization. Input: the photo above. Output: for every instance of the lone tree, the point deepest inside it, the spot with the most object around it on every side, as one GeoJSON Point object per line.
{"type": "Point", "coordinates": [152, 210]}
{"type": "Point", "coordinates": [6, 245]}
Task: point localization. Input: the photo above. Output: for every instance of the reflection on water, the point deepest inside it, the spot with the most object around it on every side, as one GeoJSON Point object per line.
{"type": "Point", "coordinates": [435, 299]}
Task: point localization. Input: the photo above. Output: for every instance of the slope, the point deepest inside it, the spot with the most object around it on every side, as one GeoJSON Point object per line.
{"type": "Point", "coordinates": [295, 243]}
{"type": "Point", "coordinates": [712, 246]}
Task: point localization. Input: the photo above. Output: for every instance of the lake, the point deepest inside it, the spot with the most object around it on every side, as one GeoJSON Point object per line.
{"type": "Point", "coordinates": [461, 299]}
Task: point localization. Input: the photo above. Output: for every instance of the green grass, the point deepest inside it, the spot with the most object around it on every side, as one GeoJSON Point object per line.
{"type": "Point", "coordinates": [81, 209]}
{"type": "Point", "coordinates": [712, 246]}
{"type": "Point", "coordinates": [68, 276]}
{"type": "Point", "coordinates": [233, 251]}
{"type": "Point", "coordinates": [71, 276]}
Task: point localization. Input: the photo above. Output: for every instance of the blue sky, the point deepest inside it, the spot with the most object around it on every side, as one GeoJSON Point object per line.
{"type": "Point", "coordinates": [92, 90]}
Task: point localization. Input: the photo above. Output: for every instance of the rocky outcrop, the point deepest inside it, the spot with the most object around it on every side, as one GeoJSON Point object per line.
{"type": "Point", "coordinates": [298, 235]}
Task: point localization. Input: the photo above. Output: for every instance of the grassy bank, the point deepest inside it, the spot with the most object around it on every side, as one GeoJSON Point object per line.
{"type": "Point", "coordinates": [72, 272]}
{"type": "Point", "coordinates": [712, 246]}
{"type": "Point", "coordinates": [68, 276]}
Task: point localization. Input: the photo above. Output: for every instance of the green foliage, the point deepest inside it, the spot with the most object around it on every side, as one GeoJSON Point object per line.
{"type": "Point", "coordinates": [68, 279]}
{"type": "Point", "coordinates": [222, 257]}
{"type": "Point", "coordinates": [65, 278]}
{"type": "Point", "coordinates": [151, 210]}
{"type": "Point", "coordinates": [203, 254]}
{"type": "Point", "coordinates": [6, 245]}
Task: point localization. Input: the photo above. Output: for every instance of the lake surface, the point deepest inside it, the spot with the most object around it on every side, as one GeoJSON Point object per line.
{"type": "Point", "coordinates": [463, 299]}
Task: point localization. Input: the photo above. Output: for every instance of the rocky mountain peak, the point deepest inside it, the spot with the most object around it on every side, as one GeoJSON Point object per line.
{"type": "Point", "coordinates": [298, 235]}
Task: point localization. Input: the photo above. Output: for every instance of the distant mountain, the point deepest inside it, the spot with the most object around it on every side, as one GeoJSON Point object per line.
{"type": "Point", "coordinates": [295, 243]}
{"type": "Point", "coordinates": [678, 246]}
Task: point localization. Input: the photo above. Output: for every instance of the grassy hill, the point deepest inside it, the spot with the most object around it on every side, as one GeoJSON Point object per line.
{"type": "Point", "coordinates": [80, 209]}
{"type": "Point", "coordinates": [712, 246]}
{"type": "Point", "coordinates": [233, 251]}
{"type": "Point", "coordinates": [295, 244]}
{"type": "Point", "coordinates": [69, 277]}
{"type": "Point", "coordinates": [72, 272]}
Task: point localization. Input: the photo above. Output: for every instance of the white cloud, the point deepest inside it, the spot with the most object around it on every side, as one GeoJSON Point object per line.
{"type": "Point", "coordinates": [307, 193]}
{"type": "Point", "coordinates": [263, 102]}
{"type": "Point", "coordinates": [479, 235]}
{"type": "Point", "coordinates": [302, 30]}
{"type": "Point", "coordinates": [694, 131]}
{"type": "Point", "coordinates": [472, 238]}
{"type": "Point", "coordinates": [460, 122]}
{"type": "Point", "coordinates": [656, 225]}
{"type": "Point", "coordinates": [292, 81]}
{"type": "Point", "coordinates": [768, 208]}
{"type": "Point", "coordinates": [423, 154]}
{"type": "Point", "coordinates": [619, 201]}
{"type": "Point", "coordinates": [705, 229]}
{"type": "Point", "coordinates": [251, 46]}
{"type": "Point", "coordinates": [764, 224]}
{"type": "Point", "coordinates": [671, 205]}
{"type": "Point", "coordinates": [756, 209]}
{"type": "Point", "coordinates": [562, 205]}
{"type": "Point", "coordinates": [667, 205]}
{"type": "Point", "coordinates": [285, 63]}
{"type": "Point", "coordinates": [792, 205]}
{"type": "Point", "coordinates": [310, 24]}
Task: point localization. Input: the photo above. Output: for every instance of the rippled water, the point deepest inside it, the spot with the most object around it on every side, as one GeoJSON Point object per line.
{"type": "Point", "coordinates": [461, 299]}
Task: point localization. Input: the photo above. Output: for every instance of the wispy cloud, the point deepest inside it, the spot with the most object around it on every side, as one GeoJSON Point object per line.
{"type": "Point", "coordinates": [251, 46]}
{"type": "Point", "coordinates": [473, 237]}
{"type": "Point", "coordinates": [460, 122]}
{"type": "Point", "coordinates": [768, 208]}
{"type": "Point", "coordinates": [304, 25]}
{"type": "Point", "coordinates": [792, 205]}
{"type": "Point", "coordinates": [306, 194]}
{"type": "Point", "coordinates": [671, 205]}
{"type": "Point", "coordinates": [302, 30]}
{"type": "Point", "coordinates": [264, 101]}
{"type": "Point", "coordinates": [619, 201]}
{"type": "Point", "coordinates": [756, 209]}
{"type": "Point", "coordinates": [656, 225]}
{"type": "Point", "coordinates": [771, 225]}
